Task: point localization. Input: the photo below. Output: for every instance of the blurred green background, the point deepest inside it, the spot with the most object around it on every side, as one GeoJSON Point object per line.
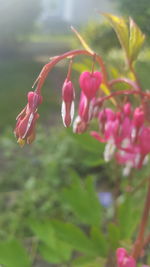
{"type": "Point", "coordinates": [32, 178]}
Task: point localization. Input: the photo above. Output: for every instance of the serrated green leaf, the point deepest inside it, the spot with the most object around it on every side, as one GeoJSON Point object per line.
{"type": "Point", "coordinates": [53, 249]}
{"type": "Point", "coordinates": [136, 40]}
{"type": "Point", "coordinates": [12, 254]}
{"type": "Point", "coordinates": [43, 231]}
{"type": "Point", "coordinates": [88, 262]}
{"type": "Point", "coordinates": [113, 236]}
{"type": "Point", "coordinates": [130, 36]}
{"type": "Point", "coordinates": [100, 241]}
{"type": "Point", "coordinates": [82, 261]}
{"type": "Point", "coordinates": [74, 237]}
{"type": "Point", "coordinates": [55, 254]}
{"type": "Point", "coordinates": [83, 201]}
{"type": "Point", "coordinates": [89, 143]}
{"type": "Point", "coordinates": [128, 217]}
{"type": "Point", "coordinates": [121, 28]}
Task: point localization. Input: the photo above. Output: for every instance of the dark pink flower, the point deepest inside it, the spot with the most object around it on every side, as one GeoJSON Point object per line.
{"type": "Point", "coordinates": [124, 259]}
{"type": "Point", "coordinates": [26, 120]}
{"type": "Point", "coordinates": [138, 117]}
{"type": "Point", "coordinates": [90, 83]}
{"type": "Point", "coordinates": [144, 140]}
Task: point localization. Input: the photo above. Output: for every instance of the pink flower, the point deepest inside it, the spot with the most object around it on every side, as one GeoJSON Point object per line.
{"type": "Point", "coordinates": [67, 110]}
{"type": "Point", "coordinates": [124, 259]}
{"type": "Point", "coordinates": [144, 140]}
{"type": "Point", "coordinates": [26, 120]}
{"type": "Point", "coordinates": [138, 117]}
{"type": "Point", "coordinates": [90, 83]}
{"type": "Point", "coordinates": [127, 109]}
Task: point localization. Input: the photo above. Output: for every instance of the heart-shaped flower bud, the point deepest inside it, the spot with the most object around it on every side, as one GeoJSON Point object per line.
{"type": "Point", "coordinates": [90, 83]}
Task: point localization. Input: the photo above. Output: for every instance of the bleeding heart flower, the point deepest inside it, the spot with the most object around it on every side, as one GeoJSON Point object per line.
{"type": "Point", "coordinates": [90, 83]}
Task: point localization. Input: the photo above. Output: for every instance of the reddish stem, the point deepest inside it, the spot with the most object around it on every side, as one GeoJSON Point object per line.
{"type": "Point", "coordinates": [47, 68]}
{"type": "Point", "coordinates": [122, 92]}
{"type": "Point", "coordinates": [69, 70]}
{"type": "Point", "coordinates": [124, 80]}
{"type": "Point", "coordinates": [139, 243]}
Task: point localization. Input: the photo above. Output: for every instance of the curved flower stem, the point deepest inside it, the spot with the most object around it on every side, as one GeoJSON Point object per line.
{"type": "Point", "coordinates": [125, 80]}
{"type": "Point", "coordinates": [48, 67]}
{"type": "Point", "coordinates": [122, 92]}
{"type": "Point", "coordinates": [138, 245]}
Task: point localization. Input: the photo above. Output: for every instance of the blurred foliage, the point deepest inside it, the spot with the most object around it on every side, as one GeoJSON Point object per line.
{"type": "Point", "coordinates": [98, 36]}
{"type": "Point", "coordinates": [44, 185]}
{"type": "Point", "coordinates": [31, 178]}
{"type": "Point", "coordinates": [139, 11]}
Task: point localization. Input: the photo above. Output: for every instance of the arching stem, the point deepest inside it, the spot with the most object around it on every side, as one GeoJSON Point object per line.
{"type": "Point", "coordinates": [48, 67]}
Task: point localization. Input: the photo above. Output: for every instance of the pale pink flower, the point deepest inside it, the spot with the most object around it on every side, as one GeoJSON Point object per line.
{"type": "Point", "coordinates": [67, 109]}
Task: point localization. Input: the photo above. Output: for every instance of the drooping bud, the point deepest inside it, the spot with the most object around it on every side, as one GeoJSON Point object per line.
{"type": "Point", "coordinates": [90, 82]}
{"type": "Point", "coordinates": [138, 117]}
{"type": "Point", "coordinates": [34, 100]}
{"type": "Point", "coordinates": [110, 115]}
{"type": "Point", "coordinates": [127, 109]}
{"type": "Point", "coordinates": [144, 138]}
{"type": "Point", "coordinates": [26, 120]}
{"type": "Point", "coordinates": [67, 110]}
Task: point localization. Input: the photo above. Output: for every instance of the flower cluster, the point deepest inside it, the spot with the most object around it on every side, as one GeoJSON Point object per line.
{"type": "Point", "coordinates": [125, 135]}
{"type": "Point", "coordinates": [123, 130]}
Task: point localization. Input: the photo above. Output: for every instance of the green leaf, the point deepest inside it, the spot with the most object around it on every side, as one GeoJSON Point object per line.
{"type": "Point", "coordinates": [89, 262]}
{"type": "Point", "coordinates": [12, 254]}
{"type": "Point", "coordinates": [56, 253]}
{"type": "Point", "coordinates": [43, 231]}
{"type": "Point", "coordinates": [89, 143]}
{"type": "Point", "coordinates": [83, 201]}
{"type": "Point", "coordinates": [130, 36]}
{"type": "Point", "coordinates": [100, 241]}
{"type": "Point", "coordinates": [113, 236]}
{"type": "Point", "coordinates": [53, 250]}
{"type": "Point", "coordinates": [74, 237]}
{"type": "Point", "coordinates": [82, 41]}
{"type": "Point", "coordinates": [128, 217]}
{"type": "Point", "coordinates": [136, 40]}
{"type": "Point", "coordinates": [121, 28]}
